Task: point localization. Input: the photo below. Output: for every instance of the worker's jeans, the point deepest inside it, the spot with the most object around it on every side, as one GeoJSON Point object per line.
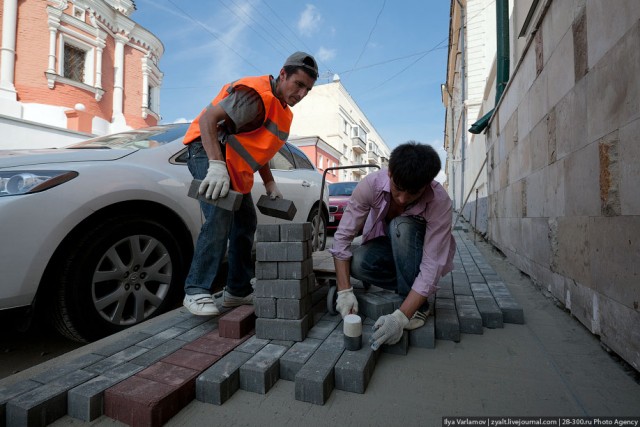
{"type": "Point", "coordinates": [393, 261]}
{"type": "Point", "coordinates": [221, 226]}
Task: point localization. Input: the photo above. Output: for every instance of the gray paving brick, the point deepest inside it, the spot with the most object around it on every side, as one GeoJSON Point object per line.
{"type": "Point", "coordinates": [278, 208]}
{"type": "Point", "coordinates": [401, 347]}
{"type": "Point", "coordinates": [293, 360]}
{"type": "Point", "coordinates": [266, 270]}
{"type": "Point", "coordinates": [511, 311]}
{"type": "Point", "coordinates": [86, 401]}
{"type": "Point", "coordinates": [116, 359]}
{"type": "Point", "coordinates": [396, 299]}
{"type": "Point", "coordinates": [424, 337]}
{"type": "Point", "coordinates": [333, 318]}
{"type": "Point", "coordinates": [462, 289]}
{"type": "Point", "coordinates": [68, 367]}
{"type": "Point", "coordinates": [282, 329]}
{"type": "Point", "coordinates": [261, 372]}
{"type": "Point", "coordinates": [218, 383]}
{"type": "Point", "coordinates": [445, 303]}
{"type": "Point", "coordinates": [14, 390]}
{"type": "Point", "coordinates": [475, 278]}
{"type": "Point", "coordinates": [272, 251]}
{"type": "Point", "coordinates": [489, 311]}
{"type": "Point", "coordinates": [282, 288]}
{"type": "Point", "coordinates": [123, 342]}
{"type": "Point", "coordinates": [252, 345]}
{"type": "Point", "coordinates": [354, 369]}
{"type": "Point", "coordinates": [192, 321]}
{"type": "Point", "coordinates": [265, 307]}
{"type": "Point", "coordinates": [468, 315]}
{"type": "Point", "coordinates": [322, 329]}
{"type": "Point", "coordinates": [294, 269]}
{"type": "Point", "coordinates": [161, 337]}
{"type": "Point", "coordinates": [268, 233]}
{"type": "Point", "coordinates": [445, 293]}
{"type": "Point", "coordinates": [198, 331]}
{"type": "Point", "coordinates": [231, 202]}
{"type": "Point", "coordinates": [295, 232]}
{"type": "Point", "coordinates": [373, 306]}
{"type": "Point", "coordinates": [447, 325]}
{"type": "Point", "coordinates": [292, 308]}
{"type": "Point", "coordinates": [45, 404]}
{"type": "Point", "coordinates": [155, 354]}
{"type": "Point", "coordinates": [481, 289]}
{"type": "Point", "coordinates": [157, 326]}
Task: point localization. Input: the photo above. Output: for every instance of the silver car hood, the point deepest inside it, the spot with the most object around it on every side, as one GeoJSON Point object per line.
{"type": "Point", "coordinates": [19, 158]}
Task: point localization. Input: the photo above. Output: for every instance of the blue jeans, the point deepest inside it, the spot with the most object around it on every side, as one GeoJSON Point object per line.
{"type": "Point", "coordinates": [393, 261]}
{"type": "Point", "coordinates": [221, 226]}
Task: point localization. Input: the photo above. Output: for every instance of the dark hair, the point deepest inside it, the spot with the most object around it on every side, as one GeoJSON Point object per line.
{"type": "Point", "coordinates": [291, 69]}
{"type": "Point", "coordinates": [413, 165]}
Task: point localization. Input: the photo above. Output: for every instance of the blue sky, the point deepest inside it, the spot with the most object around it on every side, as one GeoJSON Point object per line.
{"type": "Point", "coordinates": [389, 54]}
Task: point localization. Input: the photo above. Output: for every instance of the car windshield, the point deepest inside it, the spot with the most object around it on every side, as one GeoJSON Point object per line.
{"type": "Point", "coordinates": [135, 139]}
{"type": "Point", "coordinates": [342, 188]}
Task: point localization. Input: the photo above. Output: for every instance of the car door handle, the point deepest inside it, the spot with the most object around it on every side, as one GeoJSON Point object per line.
{"type": "Point", "coordinates": [306, 184]}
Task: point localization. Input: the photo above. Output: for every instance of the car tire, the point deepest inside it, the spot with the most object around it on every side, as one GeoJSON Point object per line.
{"type": "Point", "coordinates": [314, 216]}
{"type": "Point", "coordinates": [119, 274]}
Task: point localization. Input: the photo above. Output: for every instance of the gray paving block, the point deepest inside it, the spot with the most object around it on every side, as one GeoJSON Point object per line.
{"type": "Point", "coordinates": [14, 390]}
{"type": "Point", "coordinates": [401, 347]}
{"type": "Point", "coordinates": [373, 306]}
{"type": "Point", "coordinates": [295, 269]}
{"type": "Point", "coordinates": [468, 315]}
{"type": "Point", "coordinates": [322, 329]}
{"type": "Point", "coordinates": [67, 368]}
{"type": "Point", "coordinates": [462, 288]}
{"type": "Point", "coordinates": [116, 359]}
{"type": "Point", "coordinates": [272, 251]}
{"type": "Point", "coordinates": [445, 293]}
{"type": "Point", "coordinates": [155, 354]}
{"type": "Point", "coordinates": [489, 311]}
{"type": "Point", "coordinates": [156, 326]}
{"type": "Point", "coordinates": [192, 322]}
{"type": "Point", "coordinates": [292, 308]}
{"type": "Point", "coordinates": [282, 329]}
{"type": "Point", "coordinates": [86, 401]}
{"type": "Point", "coordinates": [354, 369]}
{"type": "Point", "coordinates": [45, 404]}
{"type": "Point", "coordinates": [283, 343]}
{"type": "Point", "coordinates": [295, 358]}
{"type": "Point", "coordinates": [446, 282]}
{"type": "Point", "coordinates": [261, 372]}
{"type": "Point", "coordinates": [296, 232]}
{"type": "Point", "coordinates": [459, 278]}
{"type": "Point", "coordinates": [123, 342]}
{"type": "Point", "coordinates": [445, 303]}
{"type": "Point", "coordinates": [424, 337]}
{"type": "Point", "coordinates": [333, 318]}
{"type": "Point", "coordinates": [266, 270]}
{"type": "Point", "coordinates": [315, 380]}
{"type": "Point", "coordinates": [481, 289]}
{"type": "Point", "coordinates": [447, 325]}
{"type": "Point", "coordinates": [198, 331]}
{"type": "Point", "coordinates": [268, 233]}
{"type": "Point", "coordinates": [396, 299]}
{"type": "Point", "coordinates": [511, 311]}
{"type": "Point", "coordinates": [265, 307]}
{"type": "Point", "coordinates": [252, 345]}
{"type": "Point", "coordinates": [161, 337]}
{"type": "Point", "coordinates": [475, 278]}
{"type": "Point", "coordinates": [218, 383]}
{"type": "Point", "coordinates": [282, 288]}
{"type": "Point", "coordinates": [278, 208]}
{"type": "Point", "coordinates": [231, 202]}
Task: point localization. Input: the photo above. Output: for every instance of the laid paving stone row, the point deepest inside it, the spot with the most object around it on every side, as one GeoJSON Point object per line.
{"type": "Point", "coordinates": [146, 377]}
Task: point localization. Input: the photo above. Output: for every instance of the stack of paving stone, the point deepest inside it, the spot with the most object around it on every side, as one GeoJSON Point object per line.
{"type": "Point", "coordinates": [284, 281]}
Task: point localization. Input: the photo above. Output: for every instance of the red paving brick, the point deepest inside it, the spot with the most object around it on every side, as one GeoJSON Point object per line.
{"type": "Point", "coordinates": [191, 359]}
{"type": "Point", "coordinates": [238, 322]}
{"type": "Point", "coordinates": [172, 375]}
{"type": "Point", "coordinates": [138, 401]}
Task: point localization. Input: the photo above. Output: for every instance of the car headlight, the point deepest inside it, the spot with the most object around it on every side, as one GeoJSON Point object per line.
{"type": "Point", "coordinates": [25, 182]}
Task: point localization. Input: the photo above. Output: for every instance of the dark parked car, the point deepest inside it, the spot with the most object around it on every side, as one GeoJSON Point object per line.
{"type": "Point", "coordinates": [339, 194]}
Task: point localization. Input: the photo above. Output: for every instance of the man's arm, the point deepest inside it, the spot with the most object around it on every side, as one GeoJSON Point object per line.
{"type": "Point", "coordinates": [208, 122]}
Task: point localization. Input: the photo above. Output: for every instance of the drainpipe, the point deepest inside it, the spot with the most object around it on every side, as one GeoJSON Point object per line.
{"type": "Point", "coordinates": [463, 89]}
{"type": "Point", "coordinates": [502, 54]}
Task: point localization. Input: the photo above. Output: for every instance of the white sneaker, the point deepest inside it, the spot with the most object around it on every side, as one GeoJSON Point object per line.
{"type": "Point", "coordinates": [229, 300]}
{"type": "Point", "coordinates": [417, 320]}
{"type": "Point", "coordinates": [201, 305]}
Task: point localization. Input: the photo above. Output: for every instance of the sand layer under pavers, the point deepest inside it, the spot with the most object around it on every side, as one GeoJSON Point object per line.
{"type": "Point", "coordinates": [150, 375]}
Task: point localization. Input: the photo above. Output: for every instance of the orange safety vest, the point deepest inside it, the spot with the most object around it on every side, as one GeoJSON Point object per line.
{"type": "Point", "coordinates": [248, 151]}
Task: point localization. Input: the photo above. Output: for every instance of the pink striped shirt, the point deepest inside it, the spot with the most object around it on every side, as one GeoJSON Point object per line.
{"type": "Point", "coordinates": [367, 209]}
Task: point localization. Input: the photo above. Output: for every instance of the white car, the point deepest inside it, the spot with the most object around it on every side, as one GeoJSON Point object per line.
{"type": "Point", "coordinates": [101, 233]}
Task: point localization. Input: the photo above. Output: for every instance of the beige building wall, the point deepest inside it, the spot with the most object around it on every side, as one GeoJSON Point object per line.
{"type": "Point", "coordinates": [562, 172]}
{"type": "Point", "coordinates": [329, 112]}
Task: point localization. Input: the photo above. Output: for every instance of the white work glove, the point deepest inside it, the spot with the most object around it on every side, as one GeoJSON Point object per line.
{"type": "Point", "coordinates": [347, 302]}
{"type": "Point", "coordinates": [216, 183]}
{"type": "Point", "coordinates": [388, 329]}
{"type": "Point", "coordinates": [272, 190]}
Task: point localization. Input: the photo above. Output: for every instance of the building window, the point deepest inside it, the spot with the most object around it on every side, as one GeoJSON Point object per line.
{"type": "Point", "coordinates": [320, 159]}
{"type": "Point", "coordinates": [78, 13]}
{"type": "Point", "coordinates": [74, 63]}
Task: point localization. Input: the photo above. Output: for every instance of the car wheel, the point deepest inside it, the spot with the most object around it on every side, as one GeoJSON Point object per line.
{"type": "Point", "coordinates": [315, 217]}
{"type": "Point", "coordinates": [121, 273]}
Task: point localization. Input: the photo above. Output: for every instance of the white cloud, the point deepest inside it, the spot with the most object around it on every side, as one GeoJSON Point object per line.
{"type": "Point", "coordinates": [182, 120]}
{"type": "Point", "coordinates": [309, 21]}
{"type": "Point", "coordinates": [325, 54]}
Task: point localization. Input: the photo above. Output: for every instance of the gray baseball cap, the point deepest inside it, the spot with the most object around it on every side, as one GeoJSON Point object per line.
{"type": "Point", "coordinates": [304, 60]}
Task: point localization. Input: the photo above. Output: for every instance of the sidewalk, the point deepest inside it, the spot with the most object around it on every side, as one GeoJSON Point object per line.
{"type": "Point", "coordinates": [548, 366]}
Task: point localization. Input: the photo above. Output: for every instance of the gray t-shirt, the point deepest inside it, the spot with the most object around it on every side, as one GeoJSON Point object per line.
{"type": "Point", "coordinates": [245, 109]}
